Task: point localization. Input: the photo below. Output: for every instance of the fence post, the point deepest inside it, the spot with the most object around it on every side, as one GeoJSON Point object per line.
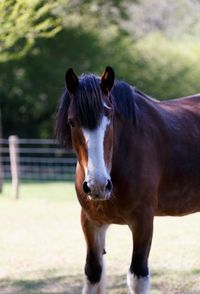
{"type": "Point", "coordinates": [1, 165]}
{"type": "Point", "coordinates": [14, 164]}
{"type": "Point", "coordinates": [1, 169]}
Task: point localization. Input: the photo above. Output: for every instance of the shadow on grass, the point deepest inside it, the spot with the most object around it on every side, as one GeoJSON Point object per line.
{"type": "Point", "coordinates": [163, 281]}
{"type": "Point", "coordinates": [57, 284]}
{"type": "Point", "coordinates": [117, 284]}
{"type": "Point", "coordinates": [176, 281]}
{"type": "Point", "coordinates": [54, 285]}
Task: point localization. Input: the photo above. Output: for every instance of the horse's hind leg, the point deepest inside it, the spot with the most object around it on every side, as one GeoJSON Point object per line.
{"type": "Point", "coordinates": [138, 276]}
{"type": "Point", "coordinates": [94, 267]}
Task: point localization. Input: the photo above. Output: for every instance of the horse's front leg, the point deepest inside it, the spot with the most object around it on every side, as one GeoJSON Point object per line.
{"type": "Point", "coordinates": [94, 267]}
{"type": "Point", "coordinates": [138, 276]}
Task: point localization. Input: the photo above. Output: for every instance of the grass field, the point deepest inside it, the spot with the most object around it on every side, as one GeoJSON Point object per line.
{"type": "Point", "coordinates": [42, 249]}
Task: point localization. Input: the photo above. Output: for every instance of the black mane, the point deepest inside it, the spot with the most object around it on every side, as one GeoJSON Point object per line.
{"type": "Point", "coordinates": [123, 97]}
{"type": "Point", "coordinates": [88, 105]}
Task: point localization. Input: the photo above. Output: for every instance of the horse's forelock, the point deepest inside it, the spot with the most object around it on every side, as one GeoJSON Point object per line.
{"type": "Point", "coordinates": [88, 103]}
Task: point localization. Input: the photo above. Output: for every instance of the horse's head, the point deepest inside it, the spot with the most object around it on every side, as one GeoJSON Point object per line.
{"type": "Point", "coordinates": [89, 116]}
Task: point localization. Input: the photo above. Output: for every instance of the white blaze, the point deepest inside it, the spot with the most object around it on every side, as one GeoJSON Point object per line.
{"type": "Point", "coordinates": [96, 169]}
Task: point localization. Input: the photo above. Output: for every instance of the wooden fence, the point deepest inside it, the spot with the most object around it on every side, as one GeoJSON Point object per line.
{"type": "Point", "coordinates": [34, 160]}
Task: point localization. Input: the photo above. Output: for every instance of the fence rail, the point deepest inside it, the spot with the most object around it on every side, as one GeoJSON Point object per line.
{"type": "Point", "coordinates": [39, 160]}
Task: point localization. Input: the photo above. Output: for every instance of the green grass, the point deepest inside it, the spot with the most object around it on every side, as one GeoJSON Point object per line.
{"type": "Point", "coordinates": [42, 248]}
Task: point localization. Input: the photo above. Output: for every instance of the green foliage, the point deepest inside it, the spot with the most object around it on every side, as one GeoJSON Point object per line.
{"type": "Point", "coordinates": [174, 19]}
{"type": "Point", "coordinates": [167, 68]}
{"type": "Point", "coordinates": [159, 64]}
{"type": "Point", "coordinates": [23, 21]}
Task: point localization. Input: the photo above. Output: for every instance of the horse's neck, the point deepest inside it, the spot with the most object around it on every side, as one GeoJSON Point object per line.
{"type": "Point", "coordinates": [127, 136]}
{"type": "Point", "coordinates": [122, 141]}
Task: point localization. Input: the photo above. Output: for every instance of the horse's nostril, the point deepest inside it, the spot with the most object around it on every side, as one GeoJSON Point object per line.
{"type": "Point", "coordinates": [109, 186]}
{"type": "Point", "coordinates": [86, 189]}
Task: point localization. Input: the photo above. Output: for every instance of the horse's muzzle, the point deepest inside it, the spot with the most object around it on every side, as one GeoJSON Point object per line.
{"type": "Point", "coordinates": [98, 191]}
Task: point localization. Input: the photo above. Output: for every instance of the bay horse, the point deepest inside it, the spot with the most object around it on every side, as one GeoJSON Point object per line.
{"type": "Point", "coordinates": [137, 158]}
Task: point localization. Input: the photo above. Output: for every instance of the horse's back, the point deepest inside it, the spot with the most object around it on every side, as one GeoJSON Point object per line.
{"type": "Point", "coordinates": [180, 188]}
{"type": "Point", "coordinates": [189, 102]}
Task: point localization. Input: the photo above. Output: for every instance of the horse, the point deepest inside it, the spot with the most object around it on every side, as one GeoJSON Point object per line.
{"type": "Point", "coordinates": [137, 158]}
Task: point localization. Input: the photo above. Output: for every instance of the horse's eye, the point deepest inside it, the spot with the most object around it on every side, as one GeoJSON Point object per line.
{"type": "Point", "coordinates": [71, 123]}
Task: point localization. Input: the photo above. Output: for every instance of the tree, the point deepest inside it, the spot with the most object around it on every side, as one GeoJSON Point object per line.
{"type": "Point", "coordinates": [173, 19]}
{"type": "Point", "coordinates": [22, 21]}
{"type": "Point", "coordinates": [93, 34]}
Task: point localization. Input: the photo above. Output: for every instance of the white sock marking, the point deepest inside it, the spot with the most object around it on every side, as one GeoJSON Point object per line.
{"type": "Point", "coordinates": [138, 285]}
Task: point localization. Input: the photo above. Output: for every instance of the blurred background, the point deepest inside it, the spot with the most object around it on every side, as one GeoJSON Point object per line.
{"type": "Point", "coordinates": [155, 46]}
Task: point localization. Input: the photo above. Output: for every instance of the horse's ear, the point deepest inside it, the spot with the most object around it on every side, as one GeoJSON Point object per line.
{"type": "Point", "coordinates": [107, 80]}
{"type": "Point", "coordinates": [71, 81]}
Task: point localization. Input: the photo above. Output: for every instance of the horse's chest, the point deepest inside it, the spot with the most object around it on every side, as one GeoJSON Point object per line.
{"type": "Point", "coordinates": [103, 213]}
